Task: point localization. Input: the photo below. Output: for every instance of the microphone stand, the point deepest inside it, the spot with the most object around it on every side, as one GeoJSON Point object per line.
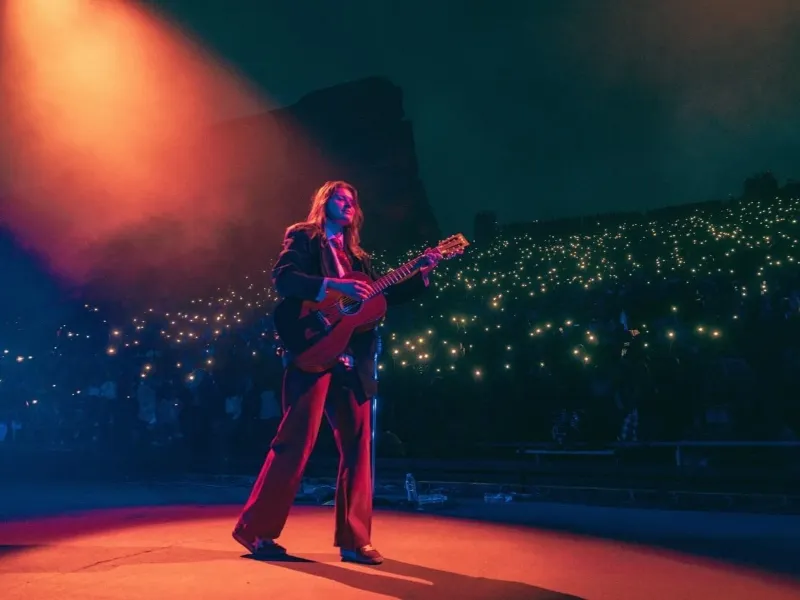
{"type": "Point", "coordinates": [374, 401]}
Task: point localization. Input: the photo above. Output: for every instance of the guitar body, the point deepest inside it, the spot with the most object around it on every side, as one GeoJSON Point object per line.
{"type": "Point", "coordinates": [316, 333]}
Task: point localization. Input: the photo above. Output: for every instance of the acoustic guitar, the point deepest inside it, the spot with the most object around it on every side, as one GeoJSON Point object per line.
{"type": "Point", "coordinates": [315, 334]}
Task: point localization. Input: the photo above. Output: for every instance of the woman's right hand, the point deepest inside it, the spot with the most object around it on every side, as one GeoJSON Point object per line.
{"type": "Point", "coordinates": [355, 289]}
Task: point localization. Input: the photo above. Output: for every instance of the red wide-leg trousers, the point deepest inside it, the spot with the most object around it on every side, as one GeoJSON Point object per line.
{"type": "Point", "coordinates": [306, 396]}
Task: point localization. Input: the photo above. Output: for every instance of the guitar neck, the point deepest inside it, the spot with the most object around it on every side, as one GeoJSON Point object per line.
{"type": "Point", "coordinates": [399, 274]}
{"type": "Point", "coordinates": [452, 246]}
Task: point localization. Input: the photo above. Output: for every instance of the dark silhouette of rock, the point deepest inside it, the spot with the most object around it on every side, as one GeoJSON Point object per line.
{"type": "Point", "coordinates": [763, 186]}
{"type": "Point", "coordinates": [355, 131]}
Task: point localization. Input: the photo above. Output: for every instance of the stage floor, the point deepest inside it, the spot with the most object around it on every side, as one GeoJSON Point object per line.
{"type": "Point", "coordinates": [175, 552]}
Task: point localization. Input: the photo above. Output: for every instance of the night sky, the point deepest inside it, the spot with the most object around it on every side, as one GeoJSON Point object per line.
{"type": "Point", "coordinates": [545, 109]}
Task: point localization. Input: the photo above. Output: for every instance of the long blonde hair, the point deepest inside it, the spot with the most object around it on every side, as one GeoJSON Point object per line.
{"type": "Point", "coordinates": [316, 215]}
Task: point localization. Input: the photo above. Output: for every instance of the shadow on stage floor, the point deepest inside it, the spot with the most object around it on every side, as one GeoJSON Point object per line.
{"type": "Point", "coordinates": [418, 582]}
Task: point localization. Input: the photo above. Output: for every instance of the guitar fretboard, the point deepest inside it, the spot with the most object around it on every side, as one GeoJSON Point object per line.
{"type": "Point", "coordinates": [396, 276]}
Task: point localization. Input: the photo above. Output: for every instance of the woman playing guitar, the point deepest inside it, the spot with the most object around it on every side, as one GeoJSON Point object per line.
{"type": "Point", "coordinates": [317, 255]}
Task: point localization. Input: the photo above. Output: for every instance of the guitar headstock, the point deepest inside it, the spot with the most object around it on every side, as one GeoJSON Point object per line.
{"type": "Point", "coordinates": [453, 246]}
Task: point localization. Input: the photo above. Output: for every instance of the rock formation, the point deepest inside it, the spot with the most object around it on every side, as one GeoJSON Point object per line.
{"type": "Point", "coordinates": [355, 131]}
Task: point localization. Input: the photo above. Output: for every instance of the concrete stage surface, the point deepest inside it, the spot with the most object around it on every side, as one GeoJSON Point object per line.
{"type": "Point", "coordinates": [118, 542]}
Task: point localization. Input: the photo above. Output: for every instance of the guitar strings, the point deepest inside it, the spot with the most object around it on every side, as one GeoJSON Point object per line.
{"type": "Point", "coordinates": [445, 248]}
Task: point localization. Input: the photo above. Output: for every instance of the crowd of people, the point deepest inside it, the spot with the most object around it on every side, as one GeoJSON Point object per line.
{"type": "Point", "coordinates": [683, 325]}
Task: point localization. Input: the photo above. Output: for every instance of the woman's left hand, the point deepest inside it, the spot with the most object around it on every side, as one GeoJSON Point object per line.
{"type": "Point", "coordinates": [430, 260]}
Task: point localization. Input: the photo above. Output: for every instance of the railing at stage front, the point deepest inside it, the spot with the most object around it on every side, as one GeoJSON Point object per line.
{"type": "Point", "coordinates": [614, 449]}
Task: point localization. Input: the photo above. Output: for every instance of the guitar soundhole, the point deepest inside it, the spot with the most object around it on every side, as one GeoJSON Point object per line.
{"type": "Point", "coordinates": [347, 306]}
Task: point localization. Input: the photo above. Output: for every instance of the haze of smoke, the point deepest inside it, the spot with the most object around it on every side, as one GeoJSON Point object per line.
{"type": "Point", "coordinates": [731, 61]}
{"type": "Point", "coordinates": [106, 171]}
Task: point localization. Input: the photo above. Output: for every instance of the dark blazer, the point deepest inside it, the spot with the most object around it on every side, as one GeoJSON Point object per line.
{"type": "Point", "coordinates": [305, 261]}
